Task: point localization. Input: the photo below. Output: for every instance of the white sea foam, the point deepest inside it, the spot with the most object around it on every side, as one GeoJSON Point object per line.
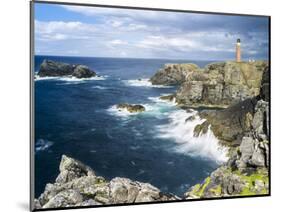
{"type": "Point", "coordinates": [143, 83]}
{"type": "Point", "coordinates": [99, 87]}
{"type": "Point", "coordinates": [70, 78]}
{"type": "Point", "coordinates": [180, 130]}
{"type": "Point", "coordinates": [42, 145]}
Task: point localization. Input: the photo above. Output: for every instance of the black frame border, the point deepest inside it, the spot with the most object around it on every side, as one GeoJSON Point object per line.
{"type": "Point", "coordinates": [32, 107]}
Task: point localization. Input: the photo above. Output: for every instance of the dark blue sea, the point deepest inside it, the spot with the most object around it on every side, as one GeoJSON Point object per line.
{"type": "Point", "coordinates": [78, 118]}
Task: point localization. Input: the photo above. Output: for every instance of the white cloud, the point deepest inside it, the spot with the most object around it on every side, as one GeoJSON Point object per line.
{"type": "Point", "coordinates": [139, 33]}
{"type": "Point", "coordinates": [118, 42]}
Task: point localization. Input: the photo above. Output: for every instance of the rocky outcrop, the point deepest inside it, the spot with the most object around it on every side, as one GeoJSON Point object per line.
{"type": "Point", "coordinates": [78, 185]}
{"type": "Point", "coordinates": [246, 172]}
{"type": "Point", "coordinates": [49, 68]}
{"type": "Point", "coordinates": [173, 74]}
{"type": "Point", "coordinates": [82, 71]}
{"type": "Point", "coordinates": [217, 85]}
{"type": "Point", "coordinates": [131, 108]}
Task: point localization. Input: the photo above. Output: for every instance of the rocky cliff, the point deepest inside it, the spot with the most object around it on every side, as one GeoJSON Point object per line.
{"type": "Point", "coordinates": [246, 172]}
{"type": "Point", "coordinates": [78, 185]}
{"type": "Point", "coordinates": [49, 68]}
{"type": "Point", "coordinates": [217, 85]}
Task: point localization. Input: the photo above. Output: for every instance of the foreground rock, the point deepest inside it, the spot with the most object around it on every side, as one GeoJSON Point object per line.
{"type": "Point", "coordinates": [77, 185]}
{"type": "Point", "coordinates": [131, 108]}
{"type": "Point", "coordinates": [50, 68]}
{"type": "Point", "coordinates": [246, 172]}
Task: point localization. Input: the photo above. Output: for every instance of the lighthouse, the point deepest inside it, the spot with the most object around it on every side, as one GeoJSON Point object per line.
{"type": "Point", "coordinates": [238, 50]}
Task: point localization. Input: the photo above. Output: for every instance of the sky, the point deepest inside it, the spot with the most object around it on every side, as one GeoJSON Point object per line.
{"type": "Point", "coordinates": [66, 30]}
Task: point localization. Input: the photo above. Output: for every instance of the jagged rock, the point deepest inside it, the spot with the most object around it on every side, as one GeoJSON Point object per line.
{"type": "Point", "coordinates": [173, 74]}
{"type": "Point", "coordinates": [71, 169]}
{"type": "Point", "coordinates": [131, 108]}
{"type": "Point", "coordinates": [81, 187]}
{"type": "Point", "coordinates": [50, 68]}
{"type": "Point", "coordinates": [221, 84]}
{"type": "Point", "coordinates": [82, 71]}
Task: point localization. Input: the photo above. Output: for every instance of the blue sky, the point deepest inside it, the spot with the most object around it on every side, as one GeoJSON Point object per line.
{"type": "Point", "coordinates": [109, 32]}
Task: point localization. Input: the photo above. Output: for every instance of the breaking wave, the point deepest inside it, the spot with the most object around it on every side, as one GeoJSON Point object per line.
{"type": "Point", "coordinates": [180, 130]}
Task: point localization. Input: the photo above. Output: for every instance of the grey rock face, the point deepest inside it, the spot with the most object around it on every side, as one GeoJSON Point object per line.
{"type": "Point", "coordinates": [50, 68]}
{"type": "Point", "coordinates": [265, 87]}
{"type": "Point", "coordinates": [77, 185]}
{"type": "Point", "coordinates": [221, 84]}
{"type": "Point", "coordinates": [173, 74]}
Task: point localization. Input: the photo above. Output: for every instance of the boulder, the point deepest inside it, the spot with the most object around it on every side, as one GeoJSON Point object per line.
{"type": "Point", "coordinates": [82, 71]}
{"type": "Point", "coordinates": [131, 108]}
{"type": "Point", "coordinates": [173, 74]}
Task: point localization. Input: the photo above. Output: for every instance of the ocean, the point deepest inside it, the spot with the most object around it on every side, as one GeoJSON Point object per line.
{"type": "Point", "coordinates": [78, 118]}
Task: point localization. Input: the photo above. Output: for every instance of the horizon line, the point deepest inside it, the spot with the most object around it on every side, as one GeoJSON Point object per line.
{"type": "Point", "coordinates": [152, 58]}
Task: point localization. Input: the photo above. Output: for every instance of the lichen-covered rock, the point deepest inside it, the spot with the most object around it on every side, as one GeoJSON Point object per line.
{"type": "Point", "coordinates": [82, 71]}
{"type": "Point", "coordinates": [173, 74]}
{"type": "Point", "coordinates": [224, 182]}
{"type": "Point", "coordinates": [221, 84]}
{"type": "Point", "coordinates": [131, 108]}
{"type": "Point", "coordinates": [79, 186]}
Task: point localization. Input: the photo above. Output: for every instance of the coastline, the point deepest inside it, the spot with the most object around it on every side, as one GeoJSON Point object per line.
{"type": "Point", "coordinates": [232, 170]}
